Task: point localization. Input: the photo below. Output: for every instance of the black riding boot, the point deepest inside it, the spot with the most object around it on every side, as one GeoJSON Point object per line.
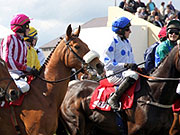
{"type": "Point", "coordinates": [125, 84]}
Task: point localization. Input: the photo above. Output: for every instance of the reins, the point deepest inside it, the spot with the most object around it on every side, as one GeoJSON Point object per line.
{"type": "Point", "coordinates": [61, 80]}
{"type": "Point", "coordinates": [84, 64]}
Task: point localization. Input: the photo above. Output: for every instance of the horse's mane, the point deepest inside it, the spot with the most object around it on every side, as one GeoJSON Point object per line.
{"type": "Point", "coordinates": [48, 58]}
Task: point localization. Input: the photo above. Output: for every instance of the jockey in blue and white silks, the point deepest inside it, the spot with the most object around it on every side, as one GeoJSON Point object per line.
{"type": "Point", "coordinates": [118, 56]}
{"type": "Point", "coordinates": [115, 56]}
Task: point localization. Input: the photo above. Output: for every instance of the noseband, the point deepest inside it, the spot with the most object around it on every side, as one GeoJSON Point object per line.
{"type": "Point", "coordinates": [84, 65]}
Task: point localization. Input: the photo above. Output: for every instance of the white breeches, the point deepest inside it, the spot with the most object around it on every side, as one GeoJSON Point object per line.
{"type": "Point", "coordinates": [21, 83]}
{"type": "Point", "coordinates": [128, 73]}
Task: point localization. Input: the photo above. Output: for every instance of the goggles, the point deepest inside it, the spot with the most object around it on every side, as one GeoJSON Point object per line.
{"type": "Point", "coordinates": [175, 31]}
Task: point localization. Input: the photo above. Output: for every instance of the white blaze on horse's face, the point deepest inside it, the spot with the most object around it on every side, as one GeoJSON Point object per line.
{"type": "Point", "coordinates": [91, 55]}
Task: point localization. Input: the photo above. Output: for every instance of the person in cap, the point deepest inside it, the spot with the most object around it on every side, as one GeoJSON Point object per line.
{"type": "Point", "coordinates": [149, 54]}
{"type": "Point", "coordinates": [118, 56]}
{"type": "Point", "coordinates": [173, 29]}
{"type": "Point", "coordinates": [14, 50]}
{"type": "Point", "coordinates": [32, 57]}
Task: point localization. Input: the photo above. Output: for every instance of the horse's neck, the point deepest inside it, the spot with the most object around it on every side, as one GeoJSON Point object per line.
{"type": "Point", "coordinates": [164, 91]}
{"type": "Point", "coordinates": [55, 70]}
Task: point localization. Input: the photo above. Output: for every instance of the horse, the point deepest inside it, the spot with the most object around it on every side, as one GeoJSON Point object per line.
{"type": "Point", "coordinates": [151, 112]}
{"type": "Point", "coordinates": [38, 113]}
{"type": "Point", "coordinates": [8, 88]}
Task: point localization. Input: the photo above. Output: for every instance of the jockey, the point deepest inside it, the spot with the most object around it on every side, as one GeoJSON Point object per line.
{"type": "Point", "coordinates": [14, 50]}
{"type": "Point", "coordinates": [32, 57]}
{"type": "Point", "coordinates": [119, 57]}
{"type": "Point", "coordinates": [173, 32]}
{"type": "Point", "coordinates": [173, 35]}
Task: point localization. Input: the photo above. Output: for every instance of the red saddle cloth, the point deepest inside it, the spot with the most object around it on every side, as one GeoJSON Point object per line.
{"type": "Point", "coordinates": [102, 93]}
{"type": "Point", "coordinates": [19, 101]}
{"type": "Point", "coordinates": [176, 106]}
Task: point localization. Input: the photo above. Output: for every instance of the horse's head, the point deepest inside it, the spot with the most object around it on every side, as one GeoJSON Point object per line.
{"type": "Point", "coordinates": [77, 53]}
{"type": "Point", "coordinates": [8, 88]}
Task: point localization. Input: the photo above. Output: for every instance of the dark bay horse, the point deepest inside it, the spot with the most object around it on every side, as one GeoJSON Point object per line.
{"type": "Point", "coordinates": [151, 113]}
{"type": "Point", "coordinates": [38, 113]}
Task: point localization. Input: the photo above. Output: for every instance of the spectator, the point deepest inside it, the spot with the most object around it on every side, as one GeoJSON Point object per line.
{"type": "Point", "coordinates": [171, 17]}
{"type": "Point", "coordinates": [168, 12]}
{"type": "Point", "coordinates": [122, 4]}
{"type": "Point", "coordinates": [157, 22]}
{"type": "Point", "coordinates": [140, 13]}
{"type": "Point", "coordinates": [151, 17]}
{"type": "Point", "coordinates": [144, 13]}
{"type": "Point", "coordinates": [162, 9]}
{"type": "Point", "coordinates": [139, 3]}
{"type": "Point", "coordinates": [171, 6]}
{"type": "Point", "coordinates": [149, 55]}
{"type": "Point", "coordinates": [131, 6]}
{"type": "Point", "coordinates": [150, 6]}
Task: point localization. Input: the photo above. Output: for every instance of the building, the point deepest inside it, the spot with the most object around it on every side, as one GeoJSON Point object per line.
{"type": "Point", "coordinates": [97, 33]}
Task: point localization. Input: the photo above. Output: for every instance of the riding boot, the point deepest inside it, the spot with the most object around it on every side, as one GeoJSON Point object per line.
{"type": "Point", "coordinates": [125, 84]}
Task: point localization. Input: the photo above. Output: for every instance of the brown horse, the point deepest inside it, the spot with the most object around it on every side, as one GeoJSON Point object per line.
{"type": "Point", "coordinates": [151, 113]}
{"type": "Point", "coordinates": [38, 113]}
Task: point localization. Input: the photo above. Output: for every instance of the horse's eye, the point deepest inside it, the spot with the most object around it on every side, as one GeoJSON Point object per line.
{"type": "Point", "coordinates": [76, 47]}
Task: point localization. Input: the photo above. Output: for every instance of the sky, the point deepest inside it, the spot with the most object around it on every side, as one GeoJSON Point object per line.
{"type": "Point", "coordinates": [51, 17]}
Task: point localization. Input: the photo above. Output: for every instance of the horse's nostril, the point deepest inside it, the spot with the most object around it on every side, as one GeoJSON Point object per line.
{"type": "Point", "coordinates": [100, 68]}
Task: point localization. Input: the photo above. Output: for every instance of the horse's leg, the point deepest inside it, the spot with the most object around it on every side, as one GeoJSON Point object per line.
{"type": "Point", "coordinates": [136, 121]}
{"type": "Point", "coordinates": [77, 126]}
{"type": "Point", "coordinates": [175, 128]}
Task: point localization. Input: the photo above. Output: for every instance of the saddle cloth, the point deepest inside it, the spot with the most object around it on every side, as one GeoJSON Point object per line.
{"type": "Point", "coordinates": [102, 93]}
{"type": "Point", "coordinates": [176, 106]}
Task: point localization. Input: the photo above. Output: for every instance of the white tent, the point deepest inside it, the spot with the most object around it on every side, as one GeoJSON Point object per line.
{"type": "Point", "coordinates": [99, 38]}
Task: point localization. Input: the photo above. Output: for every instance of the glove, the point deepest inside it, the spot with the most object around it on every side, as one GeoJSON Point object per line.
{"type": "Point", "coordinates": [32, 71]}
{"type": "Point", "coordinates": [28, 69]}
{"type": "Point", "coordinates": [132, 66]}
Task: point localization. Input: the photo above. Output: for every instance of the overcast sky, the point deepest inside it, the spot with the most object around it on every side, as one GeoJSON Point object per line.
{"type": "Point", "coordinates": [51, 17]}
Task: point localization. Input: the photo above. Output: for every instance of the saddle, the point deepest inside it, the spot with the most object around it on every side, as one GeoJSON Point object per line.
{"type": "Point", "coordinates": [105, 89]}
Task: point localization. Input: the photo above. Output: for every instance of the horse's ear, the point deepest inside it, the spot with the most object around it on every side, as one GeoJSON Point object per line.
{"type": "Point", "coordinates": [68, 32]}
{"type": "Point", "coordinates": [76, 33]}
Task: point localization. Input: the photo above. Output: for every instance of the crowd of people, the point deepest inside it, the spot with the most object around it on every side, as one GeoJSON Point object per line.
{"type": "Point", "coordinates": [150, 12]}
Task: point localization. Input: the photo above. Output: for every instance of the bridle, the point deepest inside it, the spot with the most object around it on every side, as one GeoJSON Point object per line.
{"type": "Point", "coordinates": [84, 65]}
{"type": "Point", "coordinates": [77, 56]}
